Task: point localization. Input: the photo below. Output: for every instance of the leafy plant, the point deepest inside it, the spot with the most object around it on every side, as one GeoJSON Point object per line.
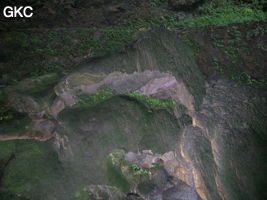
{"type": "Point", "coordinates": [226, 15]}
{"type": "Point", "coordinates": [136, 170]}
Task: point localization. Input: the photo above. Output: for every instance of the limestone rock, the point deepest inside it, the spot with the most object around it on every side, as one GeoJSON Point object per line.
{"type": "Point", "coordinates": [153, 83]}
{"type": "Point", "coordinates": [171, 188]}
{"type": "Point", "coordinates": [144, 160]}
{"type": "Point", "coordinates": [181, 191]}
{"type": "Point", "coordinates": [78, 82]}
{"type": "Point", "coordinates": [31, 95]}
{"type": "Point", "coordinates": [24, 104]}
{"type": "Point", "coordinates": [41, 130]}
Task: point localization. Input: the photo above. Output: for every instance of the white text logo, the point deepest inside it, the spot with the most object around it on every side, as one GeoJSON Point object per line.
{"type": "Point", "coordinates": [15, 11]}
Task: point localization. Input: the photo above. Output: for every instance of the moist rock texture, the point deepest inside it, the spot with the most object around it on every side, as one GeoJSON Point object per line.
{"type": "Point", "coordinates": [208, 144]}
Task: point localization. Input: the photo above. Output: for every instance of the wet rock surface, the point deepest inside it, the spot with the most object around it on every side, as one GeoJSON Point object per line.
{"type": "Point", "coordinates": [209, 145]}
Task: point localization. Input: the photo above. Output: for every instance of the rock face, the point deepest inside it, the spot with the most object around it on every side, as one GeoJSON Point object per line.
{"type": "Point", "coordinates": [166, 185]}
{"type": "Point", "coordinates": [153, 83]}
{"type": "Point", "coordinates": [94, 132]}
{"type": "Point", "coordinates": [233, 125]}
{"type": "Point", "coordinates": [39, 130]}
{"type": "Point", "coordinates": [180, 191]}
{"type": "Point", "coordinates": [148, 176]}
{"type": "Point", "coordinates": [209, 145]}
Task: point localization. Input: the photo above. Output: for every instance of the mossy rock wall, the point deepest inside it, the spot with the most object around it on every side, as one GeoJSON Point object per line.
{"type": "Point", "coordinates": [157, 49]}
{"type": "Point", "coordinates": [118, 123]}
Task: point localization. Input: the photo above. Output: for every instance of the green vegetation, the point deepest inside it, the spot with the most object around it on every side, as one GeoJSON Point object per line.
{"type": "Point", "coordinates": [97, 192]}
{"type": "Point", "coordinates": [225, 16]}
{"type": "Point", "coordinates": [31, 167]}
{"type": "Point", "coordinates": [58, 50]}
{"type": "Point", "coordinates": [105, 94]}
{"type": "Point", "coordinates": [83, 194]}
{"type": "Point", "coordinates": [138, 171]}
{"type": "Point", "coordinates": [87, 100]}
{"type": "Point", "coordinates": [136, 175]}
{"type": "Point", "coordinates": [220, 13]}
{"type": "Point", "coordinates": [115, 176]}
{"type": "Point", "coordinates": [34, 86]}
{"type": "Point", "coordinates": [235, 47]}
{"type": "Point", "coordinates": [193, 44]}
{"type": "Point", "coordinates": [249, 80]}
{"type": "Point", "coordinates": [62, 50]}
{"type": "Point", "coordinates": [234, 73]}
{"type": "Point", "coordinates": [7, 149]}
{"type": "Point", "coordinates": [152, 102]}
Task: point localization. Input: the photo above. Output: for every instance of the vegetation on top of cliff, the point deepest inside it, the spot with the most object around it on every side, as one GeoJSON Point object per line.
{"type": "Point", "coordinates": [61, 50]}
{"type": "Point", "coordinates": [236, 51]}
{"type": "Point", "coordinates": [225, 15]}
{"type": "Point", "coordinates": [35, 53]}
{"type": "Point", "coordinates": [216, 12]}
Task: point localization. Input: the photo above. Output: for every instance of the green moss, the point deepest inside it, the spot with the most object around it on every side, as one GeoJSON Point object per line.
{"type": "Point", "coordinates": [87, 100]}
{"type": "Point", "coordinates": [32, 86]}
{"type": "Point", "coordinates": [152, 102]}
{"type": "Point", "coordinates": [146, 187]}
{"type": "Point", "coordinates": [123, 170]}
{"type": "Point", "coordinates": [6, 149]}
{"type": "Point", "coordinates": [117, 157]}
{"type": "Point", "coordinates": [83, 194]}
{"type": "Point", "coordinates": [97, 192]}
{"type": "Point", "coordinates": [116, 178]}
{"type": "Point", "coordinates": [35, 165]}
